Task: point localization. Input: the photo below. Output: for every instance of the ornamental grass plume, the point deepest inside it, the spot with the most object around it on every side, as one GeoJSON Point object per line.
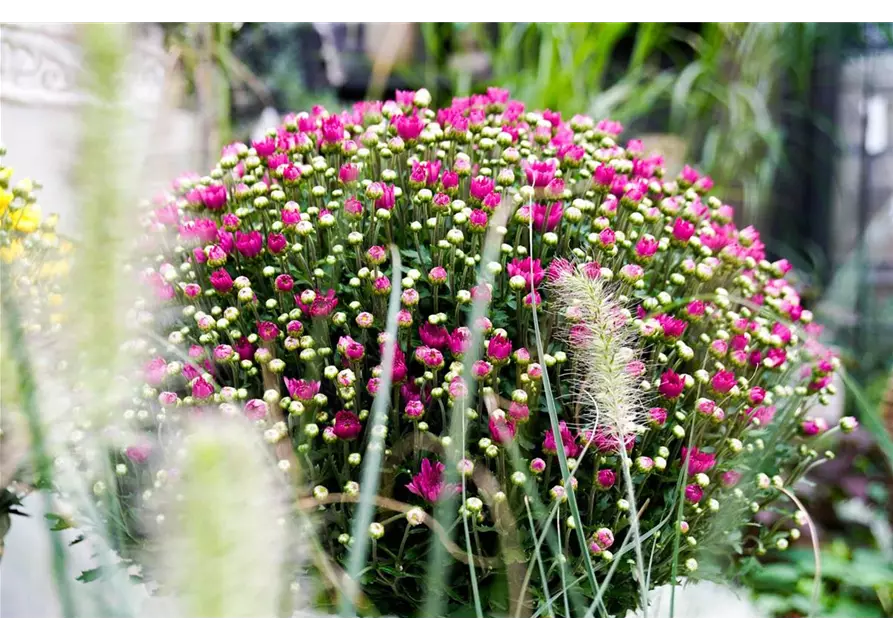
{"type": "Point", "coordinates": [585, 351]}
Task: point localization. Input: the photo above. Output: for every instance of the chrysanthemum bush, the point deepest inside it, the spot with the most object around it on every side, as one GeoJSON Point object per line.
{"type": "Point", "coordinates": [509, 365]}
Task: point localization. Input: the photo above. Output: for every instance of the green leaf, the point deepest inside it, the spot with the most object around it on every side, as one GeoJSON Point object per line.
{"type": "Point", "coordinates": [779, 577]}
{"type": "Point", "coordinates": [59, 523]}
{"type": "Point", "coordinates": [5, 523]}
{"type": "Point", "coordinates": [851, 609]}
{"type": "Point", "coordinates": [870, 419]}
{"type": "Point", "coordinates": [90, 575]}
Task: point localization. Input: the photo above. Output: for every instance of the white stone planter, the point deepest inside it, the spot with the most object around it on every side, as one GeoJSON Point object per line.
{"type": "Point", "coordinates": [40, 101]}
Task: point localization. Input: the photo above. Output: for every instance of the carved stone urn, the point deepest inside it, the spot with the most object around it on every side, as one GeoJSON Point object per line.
{"type": "Point", "coordinates": [41, 96]}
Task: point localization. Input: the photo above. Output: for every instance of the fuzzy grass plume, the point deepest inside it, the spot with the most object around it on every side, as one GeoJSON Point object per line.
{"type": "Point", "coordinates": [224, 541]}
{"type": "Point", "coordinates": [605, 368]}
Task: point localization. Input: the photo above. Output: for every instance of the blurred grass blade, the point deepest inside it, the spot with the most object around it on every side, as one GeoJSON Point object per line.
{"type": "Point", "coordinates": [374, 450]}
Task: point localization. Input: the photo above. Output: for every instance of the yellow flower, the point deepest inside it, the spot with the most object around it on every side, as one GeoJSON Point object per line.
{"type": "Point", "coordinates": [5, 199]}
{"type": "Point", "coordinates": [55, 300]}
{"type": "Point", "coordinates": [54, 269]}
{"type": "Point", "coordinates": [12, 251]}
{"type": "Point", "coordinates": [28, 219]}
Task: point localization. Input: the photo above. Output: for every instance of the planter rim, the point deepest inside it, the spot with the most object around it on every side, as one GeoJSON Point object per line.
{"type": "Point", "coordinates": [41, 66]}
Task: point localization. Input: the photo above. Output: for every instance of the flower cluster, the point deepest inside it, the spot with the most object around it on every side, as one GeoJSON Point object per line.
{"type": "Point", "coordinates": [279, 265]}
{"type": "Point", "coordinates": [34, 261]}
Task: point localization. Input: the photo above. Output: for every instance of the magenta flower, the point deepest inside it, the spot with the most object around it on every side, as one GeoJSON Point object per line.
{"type": "Point", "coordinates": [694, 493]}
{"type": "Point", "coordinates": [437, 275]}
{"type": "Point", "coordinates": [386, 201]}
{"type": "Point", "coordinates": [481, 187]}
{"type": "Point", "coordinates": [139, 453]}
{"type": "Point", "coordinates": [155, 371]}
{"type": "Point", "coordinates": [459, 341]}
{"type": "Point", "coordinates": [688, 175]}
{"type": "Point", "coordinates": [223, 352]}
{"type": "Point", "coordinates": [332, 129]}
{"type": "Point", "coordinates": [249, 244]}
{"type": "Point", "coordinates": [256, 409]}
{"type": "Point", "coordinates": [190, 371]}
{"type": "Point", "coordinates": [671, 384]}
{"type": "Point", "coordinates": [672, 327]}
{"type": "Point", "coordinates": [276, 243]}
{"type": "Point", "coordinates": [214, 196]}
{"type": "Point", "coordinates": [348, 173]}
{"type": "Point", "coordinates": [431, 358]}
{"type": "Point", "coordinates": [499, 349]}
{"type": "Point", "coordinates": [609, 128]}
{"type": "Point", "coordinates": [605, 537]}
{"type": "Point", "coordinates": [631, 272]}
{"type": "Point", "coordinates": [449, 180]}
{"type": "Point", "coordinates": [531, 270]}
{"type": "Point", "coordinates": [606, 478]}
{"type": "Point", "coordinates": [201, 388]}
{"type": "Point", "coordinates": [353, 207]}
{"type": "Point", "coordinates": [409, 127]}
{"type": "Point", "coordinates": [646, 247]}
{"type": "Point", "coordinates": [698, 461]}
{"type": "Point", "coordinates": [502, 430]}
{"type": "Point", "coordinates": [683, 230]}
{"type": "Point", "coordinates": [813, 426]}
{"type": "Point", "coordinates": [457, 388]}
{"type": "Point", "coordinates": [477, 220]}
{"type": "Point", "coordinates": [284, 282]}
{"type": "Point", "coordinates": [399, 370]}
{"type": "Point", "coordinates": [555, 188]}
{"type": "Point", "coordinates": [429, 171]}
{"type": "Point", "coordinates": [519, 412]}
{"type": "Point", "coordinates": [730, 478]}
{"type": "Point", "coordinates": [291, 214]}
{"type": "Point", "coordinates": [302, 389]}
{"type": "Point", "coordinates": [347, 425]}
{"type": "Point", "coordinates": [221, 280]}
{"type": "Point", "coordinates": [429, 484]}
{"type": "Point", "coordinates": [606, 441]}
{"type": "Point", "coordinates": [481, 369]}
{"type": "Point", "coordinates": [756, 395]}
{"type": "Point", "coordinates": [547, 219]}
{"type": "Point", "coordinates": [571, 448]}
{"type": "Point", "coordinates": [435, 336]}
{"type": "Point", "coordinates": [775, 357]}
{"type": "Point", "coordinates": [482, 292]}
{"type": "Point", "coordinates": [376, 254]}
{"type": "Point", "coordinates": [635, 368]}
{"type": "Point", "coordinates": [558, 268]}
{"type": "Point", "coordinates": [351, 349]}
{"type": "Point", "coordinates": [414, 409]}
{"type": "Point", "coordinates": [722, 381]}
{"type": "Point", "coordinates": [264, 147]}
{"type": "Point", "coordinates": [268, 331]}
{"type": "Point", "coordinates": [244, 348]}
{"type": "Point", "coordinates": [294, 328]}
{"type": "Point", "coordinates": [539, 173]}
{"type": "Point", "coordinates": [657, 416]}
{"type": "Point", "coordinates": [491, 201]}
{"type": "Point", "coordinates": [322, 305]}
